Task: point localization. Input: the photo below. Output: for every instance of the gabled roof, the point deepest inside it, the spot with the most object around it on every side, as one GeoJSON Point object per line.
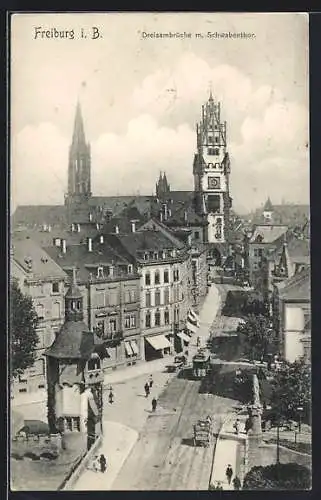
{"type": "Point", "coordinates": [268, 232]}
{"type": "Point", "coordinates": [298, 287]}
{"type": "Point", "coordinates": [73, 341]}
{"type": "Point", "coordinates": [124, 220]}
{"type": "Point", "coordinates": [36, 261]}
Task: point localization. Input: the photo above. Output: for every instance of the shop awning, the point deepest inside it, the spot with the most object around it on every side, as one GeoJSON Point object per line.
{"type": "Point", "coordinates": [128, 349]}
{"type": "Point", "coordinates": [134, 346]}
{"type": "Point", "coordinates": [158, 342]}
{"type": "Point", "coordinates": [184, 336]}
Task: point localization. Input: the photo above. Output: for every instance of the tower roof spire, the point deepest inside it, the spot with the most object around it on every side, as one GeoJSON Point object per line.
{"type": "Point", "coordinates": [79, 130]}
{"type": "Point", "coordinates": [211, 93]}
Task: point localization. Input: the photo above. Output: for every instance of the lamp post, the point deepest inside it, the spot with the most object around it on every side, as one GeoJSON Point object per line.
{"type": "Point", "coordinates": [278, 442]}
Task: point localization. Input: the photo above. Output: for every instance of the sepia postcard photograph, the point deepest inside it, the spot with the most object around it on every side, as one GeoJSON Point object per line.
{"type": "Point", "coordinates": [160, 308]}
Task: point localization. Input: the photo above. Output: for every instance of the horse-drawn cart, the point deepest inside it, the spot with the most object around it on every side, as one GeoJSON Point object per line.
{"type": "Point", "coordinates": [203, 432]}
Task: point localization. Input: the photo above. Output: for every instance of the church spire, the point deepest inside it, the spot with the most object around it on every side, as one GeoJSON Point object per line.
{"type": "Point", "coordinates": [79, 130]}
{"type": "Point", "coordinates": [79, 170]}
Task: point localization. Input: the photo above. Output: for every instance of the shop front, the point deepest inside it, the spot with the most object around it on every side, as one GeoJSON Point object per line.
{"type": "Point", "coordinates": [157, 347]}
{"type": "Point", "coordinates": [131, 351]}
{"type": "Point", "coordinates": [185, 340]}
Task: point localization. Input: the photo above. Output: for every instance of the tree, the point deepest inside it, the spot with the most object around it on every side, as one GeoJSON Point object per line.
{"type": "Point", "coordinates": [289, 476]}
{"type": "Point", "coordinates": [291, 389]}
{"type": "Point", "coordinates": [256, 336]}
{"type": "Point", "coordinates": [23, 336]}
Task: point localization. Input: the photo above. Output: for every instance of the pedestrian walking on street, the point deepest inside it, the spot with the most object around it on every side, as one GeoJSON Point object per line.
{"type": "Point", "coordinates": [154, 404]}
{"type": "Point", "coordinates": [237, 483]}
{"type": "Point", "coordinates": [103, 463]}
{"type": "Point", "coordinates": [111, 397]}
{"type": "Point", "coordinates": [219, 486]}
{"type": "Point", "coordinates": [229, 473]}
{"type": "Point", "coordinates": [151, 381]}
{"type": "Point", "coordinates": [237, 426]}
{"type": "Point", "coordinates": [198, 342]}
{"type": "Point", "coordinates": [146, 387]}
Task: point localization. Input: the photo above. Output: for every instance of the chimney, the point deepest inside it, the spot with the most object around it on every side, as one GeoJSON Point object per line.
{"type": "Point", "coordinates": [111, 270]}
{"type": "Point", "coordinates": [78, 228]}
{"type": "Point", "coordinates": [72, 228]}
{"type": "Point", "coordinates": [116, 229]}
{"type": "Point", "coordinates": [90, 245]}
{"type": "Point", "coordinates": [56, 242]}
{"type": "Point", "coordinates": [90, 217]}
{"type": "Point", "coordinates": [101, 238]}
{"type": "Point", "coordinates": [133, 226]}
{"type": "Point", "coordinates": [97, 226]}
{"type": "Point", "coordinates": [63, 246]}
{"type": "Point", "coordinates": [161, 216]}
{"type": "Point", "coordinates": [185, 216]}
{"type": "Point", "coordinates": [49, 228]}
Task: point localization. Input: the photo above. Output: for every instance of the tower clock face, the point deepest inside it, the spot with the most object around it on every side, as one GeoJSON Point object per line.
{"type": "Point", "coordinates": [214, 183]}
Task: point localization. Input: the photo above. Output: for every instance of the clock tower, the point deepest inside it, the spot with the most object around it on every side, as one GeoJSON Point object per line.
{"type": "Point", "coordinates": [211, 171]}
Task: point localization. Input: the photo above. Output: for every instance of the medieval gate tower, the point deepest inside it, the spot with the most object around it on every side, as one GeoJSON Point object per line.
{"type": "Point", "coordinates": [211, 171]}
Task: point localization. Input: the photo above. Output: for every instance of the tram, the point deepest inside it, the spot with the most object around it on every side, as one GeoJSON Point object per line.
{"type": "Point", "coordinates": [201, 363]}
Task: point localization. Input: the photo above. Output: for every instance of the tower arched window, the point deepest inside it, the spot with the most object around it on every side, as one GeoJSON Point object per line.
{"type": "Point", "coordinates": [78, 304]}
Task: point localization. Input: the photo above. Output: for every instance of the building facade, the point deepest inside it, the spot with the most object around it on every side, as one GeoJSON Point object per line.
{"type": "Point", "coordinates": [110, 286]}
{"type": "Point", "coordinates": [292, 316]}
{"type": "Point", "coordinates": [44, 281]}
{"type": "Point", "coordinates": [164, 266]}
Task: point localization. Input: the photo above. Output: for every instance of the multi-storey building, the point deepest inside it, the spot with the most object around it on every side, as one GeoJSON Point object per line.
{"type": "Point", "coordinates": [211, 171]}
{"type": "Point", "coordinates": [292, 315]}
{"type": "Point", "coordinates": [164, 265]}
{"type": "Point", "coordinates": [42, 279]}
{"type": "Point", "coordinates": [111, 292]}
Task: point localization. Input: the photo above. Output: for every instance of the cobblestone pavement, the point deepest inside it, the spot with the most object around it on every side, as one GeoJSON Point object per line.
{"type": "Point", "coordinates": [164, 457]}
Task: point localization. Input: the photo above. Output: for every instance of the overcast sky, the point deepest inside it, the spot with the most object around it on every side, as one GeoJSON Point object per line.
{"type": "Point", "coordinates": [141, 99]}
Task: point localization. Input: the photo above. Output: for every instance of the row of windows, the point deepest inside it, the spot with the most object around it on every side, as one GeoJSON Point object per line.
{"type": "Point", "coordinates": [157, 298]}
{"type": "Point", "coordinates": [55, 311]}
{"type": "Point", "coordinates": [157, 277]}
{"type": "Point", "coordinates": [39, 290]}
{"type": "Point", "coordinates": [105, 272]}
{"type": "Point", "coordinates": [213, 151]}
{"type": "Point", "coordinates": [158, 320]}
{"type": "Point", "coordinates": [212, 139]}
{"type": "Point", "coordinates": [111, 298]}
{"type": "Point", "coordinates": [163, 254]}
{"type": "Point", "coordinates": [258, 252]}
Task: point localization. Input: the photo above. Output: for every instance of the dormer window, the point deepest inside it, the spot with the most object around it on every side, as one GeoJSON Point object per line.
{"type": "Point", "coordinates": [130, 269]}
{"type": "Point", "coordinates": [100, 272]}
{"type": "Point", "coordinates": [155, 255]}
{"type": "Point", "coordinates": [145, 256]}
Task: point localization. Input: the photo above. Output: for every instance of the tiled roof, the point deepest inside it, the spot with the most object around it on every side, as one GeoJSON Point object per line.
{"type": "Point", "coordinates": [186, 215]}
{"type": "Point", "coordinates": [171, 233]}
{"type": "Point", "coordinates": [46, 239]}
{"type": "Point", "coordinates": [73, 341]}
{"type": "Point", "coordinates": [117, 203]}
{"type": "Point", "coordinates": [288, 214]}
{"type": "Point", "coordinates": [298, 287]}
{"type": "Point", "coordinates": [80, 257]}
{"type": "Point", "coordinates": [147, 240]}
{"type": "Point", "coordinates": [269, 233]}
{"type": "Point", "coordinates": [299, 250]}
{"type": "Point", "coordinates": [35, 260]}
{"type": "Point", "coordinates": [124, 220]}
{"type": "Point", "coordinates": [30, 215]}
